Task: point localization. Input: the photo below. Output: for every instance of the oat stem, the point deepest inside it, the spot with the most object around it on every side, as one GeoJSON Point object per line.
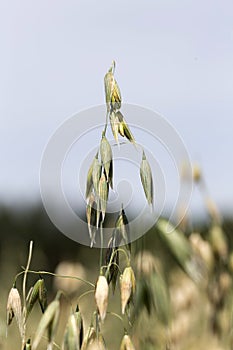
{"type": "Point", "coordinates": [85, 293]}
{"type": "Point", "coordinates": [24, 294]}
{"type": "Point", "coordinates": [111, 259]}
{"type": "Point", "coordinates": [106, 123]}
{"type": "Point", "coordinates": [56, 275]}
{"type": "Point", "coordinates": [101, 246]}
{"type": "Point", "coordinates": [119, 318]}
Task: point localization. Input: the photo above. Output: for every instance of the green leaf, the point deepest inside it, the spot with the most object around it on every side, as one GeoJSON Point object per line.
{"type": "Point", "coordinates": [180, 248]}
{"type": "Point", "coordinates": [48, 322]}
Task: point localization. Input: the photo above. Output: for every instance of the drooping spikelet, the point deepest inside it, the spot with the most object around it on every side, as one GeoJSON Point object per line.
{"type": "Point", "coordinates": [128, 284]}
{"type": "Point", "coordinates": [146, 179]}
{"type": "Point", "coordinates": [101, 296]}
{"type": "Point", "coordinates": [126, 343]}
{"type": "Point", "coordinates": [14, 308]}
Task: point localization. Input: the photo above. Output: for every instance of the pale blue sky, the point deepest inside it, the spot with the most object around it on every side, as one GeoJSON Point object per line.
{"type": "Point", "coordinates": [174, 57]}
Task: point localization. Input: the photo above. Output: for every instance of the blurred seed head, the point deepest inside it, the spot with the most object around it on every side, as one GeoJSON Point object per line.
{"type": "Point", "coordinates": [218, 241]}
{"type": "Point", "coordinates": [184, 293]}
{"type": "Point", "coordinates": [180, 327]}
{"type": "Point", "coordinates": [203, 249]}
{"type": "Point", "coordinates": [146, 263]}
{"type": "Point", "coordinates": [68, 285]}
{"type": "Point", "coordinates": [225, 283]}
{"type": "Point", "coordinates": [197, 173]}
{"type": "Point", "coordinates": [213, 210]}
{"type": "Point", "coordinates": [230, 262]}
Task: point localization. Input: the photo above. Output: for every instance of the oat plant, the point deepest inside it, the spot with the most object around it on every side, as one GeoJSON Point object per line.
{"type": "Point", "coordinates": [143, 293]}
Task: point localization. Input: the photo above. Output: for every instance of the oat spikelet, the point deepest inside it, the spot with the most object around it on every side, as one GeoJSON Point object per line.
{"type": "Point", "coordinates": [71, 337]}
{"type": "Point", "coordinates": [103, 195]}
{"type": "Point", "coordinates": [28, 345]}
{"type": "Point", "coordinates": [106, 159]}
{"type": "Point", "coordinates": [126, 343]}
{"type": "Point", "coordinates": [112, 91]}
{"type": "Point", "coordinates": [101, 296]}
{"type": "Point", "coordinates": [122, 228]}
{"type": "Point", "coordinates": [128, 284]}
{"type": "Point", "coordinates": [14, 308]}
{"type": "Point", "coordinates": [123, 128]}
{"type": "Point", "coordinates": [96, 173]}
{"type": "Point", "coordinates": [115, 124]}
{"type": "Point", "coordinates": [146, 179]}
{"type": "Point", "coordinates": [89, 338]}
{"type": "Point", "coordinates": [93, 216]}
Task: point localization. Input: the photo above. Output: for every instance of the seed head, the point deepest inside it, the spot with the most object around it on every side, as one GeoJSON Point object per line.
{"type": "Point", "coordinates": [103, 195]}
{"type": "Point", "coordinates": [92, 214]}
{"type": "Point", "coordinates": [28, 345]}
{"type": "Point", "coordinates": [112, 91]}
{"type": "Point", "coordinates": [115, 124]}
{"type": "Point", "coordinates": [146, 179]}
{"type": "Point", "coordinates": [128, 284]}
{"type": "Point", "coordinates": [89, 338]}
{"type": "Point", "coordinates": [106, 159]}
{"type": "Point", "coordinates": [146, 263]}
{"type": "Point", "coordinates": [101, 296]}
{"type": "Point", "coordinates": [122, 228]}
{"type": "Point", "coordinates": [71, 339]}
{"type": "Point", "coordinates": [126, 343]}
{"type": "Point", "coordinates": [14, 308]}
{"type": "Point", "coordinates": [96, 172]}
{"type": "Point", "coordinates": [196, 173]}
{"type": "Point", "coordinates": [123, 128]}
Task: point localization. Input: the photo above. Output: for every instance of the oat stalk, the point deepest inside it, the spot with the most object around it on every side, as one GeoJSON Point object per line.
{"type": "Point", "coordinates": [24, 294]}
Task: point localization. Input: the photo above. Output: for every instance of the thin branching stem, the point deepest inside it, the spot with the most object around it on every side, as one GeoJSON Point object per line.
{"type": "Point", "coordinates": [118, 317]}
{"type": "Point", "coordinates": [101, 246]}
{"type": "Point", "coordinates": [56, 275]}
{"type": "Point", "coordinates": [106, 123]}
{"type": "Point", "coordinates": [85, 293]}
{"type": "Point", "coordinates": [23, 335]}
{"type": "Point", "coordinates": [111, 260]}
